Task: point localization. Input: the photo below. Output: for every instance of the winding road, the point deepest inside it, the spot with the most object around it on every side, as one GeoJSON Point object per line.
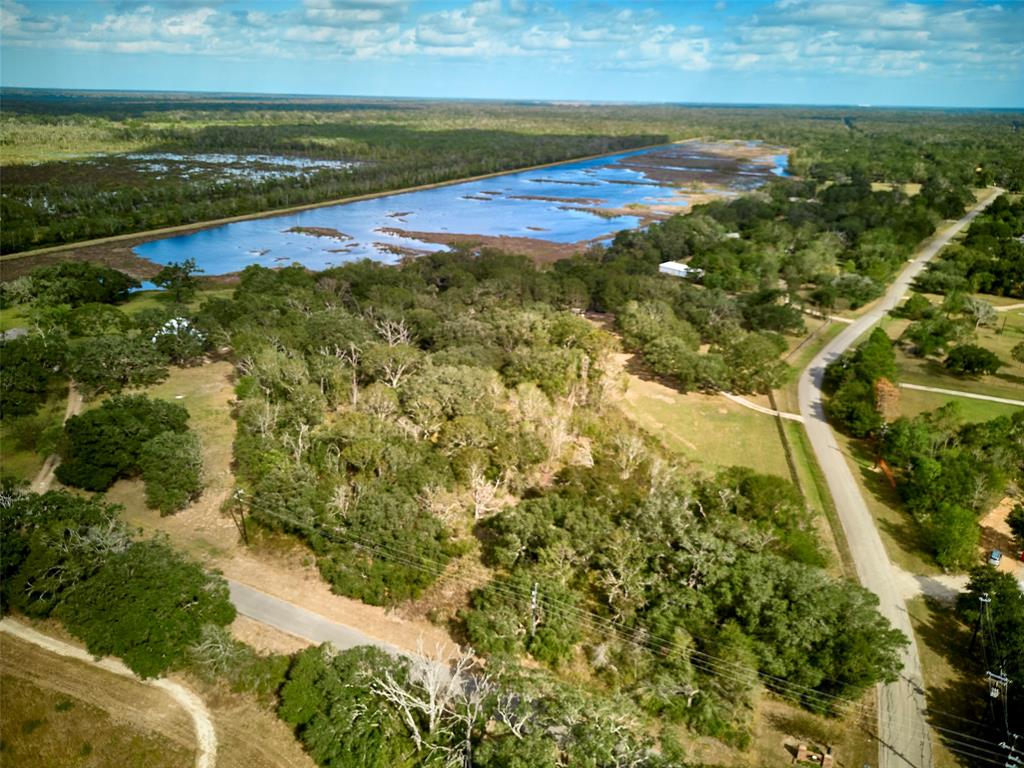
{"type": "Point", "coordinates": [903, 731]}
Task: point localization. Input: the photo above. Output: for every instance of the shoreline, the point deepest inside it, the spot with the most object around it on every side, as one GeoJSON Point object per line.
{"type": "Point", "coordinates": [117, 251]}
{"type": "Point", "coordinates": [154, 234]}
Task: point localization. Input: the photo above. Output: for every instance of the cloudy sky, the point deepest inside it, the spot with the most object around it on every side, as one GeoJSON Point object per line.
{"type": "Point", "coordinates": [945, 53]}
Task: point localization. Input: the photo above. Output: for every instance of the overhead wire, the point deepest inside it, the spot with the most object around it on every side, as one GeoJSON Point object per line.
{"type": "Point", "coordinates": [707, 663]}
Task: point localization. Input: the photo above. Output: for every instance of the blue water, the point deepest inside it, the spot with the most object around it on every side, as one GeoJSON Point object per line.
{"type": "Point", "coordinates": [491, 206]}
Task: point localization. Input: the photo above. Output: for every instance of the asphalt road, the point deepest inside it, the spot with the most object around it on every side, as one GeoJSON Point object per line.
{"type": "Point", "coordinates": [297, 621]}
{"type": "Point", "coordinates": [904, 733]}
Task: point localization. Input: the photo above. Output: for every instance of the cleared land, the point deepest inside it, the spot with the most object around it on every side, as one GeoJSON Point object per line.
{"type": "Point", "coordinates": [703, 428]}
{"type": "Point", "coordinates": [61, 712]}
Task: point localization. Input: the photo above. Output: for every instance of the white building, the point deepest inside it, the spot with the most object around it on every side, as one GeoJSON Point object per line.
{"type": "Point", "coordinates": [678, 269]}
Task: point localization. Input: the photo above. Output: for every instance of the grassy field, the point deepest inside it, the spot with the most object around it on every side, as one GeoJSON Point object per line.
{"type": "Point", "coordinates": [914, 402]}
{"type": "Point", "coordinates": [20, 437]}
{"type": "Point", "coordinates": [778, 727]}
{"type": "Point", "coordinates": [1000, 339]}
{"type": "Point", "coordinates": [956, 692]}
{"type": "Point", "coordinates": [706, 429]}
{"type": "Point", "coordinates": [206, 392]}
{"type": "Point", "coordinates": [59, 713]}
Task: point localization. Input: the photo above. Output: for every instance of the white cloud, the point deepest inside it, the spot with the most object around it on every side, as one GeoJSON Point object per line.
{"type": "Point", "coordinates": [787, 37]}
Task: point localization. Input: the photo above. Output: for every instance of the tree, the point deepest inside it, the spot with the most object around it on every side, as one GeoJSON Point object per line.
{"type": "Point", "coordinates": [172, 465]}
{"type": "Point", "coordinates": [1016, 522]}
{"type": "Point", "coordinates": [179, 280]}
{"type": "Point", "coordinates": [1018, 352]}
{"type": "Point", "coordinates": [105, 443]}
{"type": "Point", "coordinates": [369, 557]}
{"type": "Point", "coordinates": [328, 699]}
{"type": "Point", "coordinates": [1003, 627]}
{"type": "Point", "coordinates": [147, 605]}
{"type": "Point", "coordinates": [972, 360]}
{"type": "Point", "coordinates": [113, 363]}
{"type": "Point", "coordinates": [30, 366]}
{"type": "Point", "coordinates": [80, 282]}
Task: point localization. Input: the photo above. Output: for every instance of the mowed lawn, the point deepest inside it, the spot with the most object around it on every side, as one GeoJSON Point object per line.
{"type": "Point", "coordinates": [999, 339]}
{"type": "Point", "coordinates": [706, 429]}
{"type": "Point", "coordinates": [914, 402]}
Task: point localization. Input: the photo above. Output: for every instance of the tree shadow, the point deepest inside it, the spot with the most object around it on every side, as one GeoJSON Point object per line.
{"type": "Point", "coordinates": [960, 707]}
{"type": "Point", "coordinates": [904, 529]}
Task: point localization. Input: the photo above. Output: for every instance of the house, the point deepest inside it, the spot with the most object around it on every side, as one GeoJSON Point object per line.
{"type": "Point", "coordinates": [678, 269]}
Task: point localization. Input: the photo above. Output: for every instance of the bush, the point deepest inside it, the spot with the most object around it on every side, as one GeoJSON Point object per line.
{"type": "Point", "coordinates": [172, 467]}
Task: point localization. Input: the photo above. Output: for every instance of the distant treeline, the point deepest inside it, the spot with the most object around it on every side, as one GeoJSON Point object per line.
{"type": "Point", "coordinates": [400, 143]}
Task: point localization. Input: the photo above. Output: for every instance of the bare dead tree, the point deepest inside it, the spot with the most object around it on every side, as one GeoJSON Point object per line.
{"type": "Point", "coordinates": [484, 492]}
{"type": "Point", "coordinates": [393, 332]}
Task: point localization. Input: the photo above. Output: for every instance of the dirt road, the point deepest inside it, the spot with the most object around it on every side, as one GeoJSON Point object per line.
{"type": "Point", "coordinates": [44, 478]}
{"type": "Point", "coordinates": [206, 736]}
{"type": "Point", "coordinates": [904, 733]}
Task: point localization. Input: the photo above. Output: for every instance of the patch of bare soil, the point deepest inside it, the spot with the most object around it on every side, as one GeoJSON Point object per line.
{"type": "Point", "coordinates": [126, 701]}
{"type": "Point", "coordinates": [118, 255]}
{"type": "Point", "coordinates": [996, 534]}
{"type": "Point", "coordinates": [730, 165]}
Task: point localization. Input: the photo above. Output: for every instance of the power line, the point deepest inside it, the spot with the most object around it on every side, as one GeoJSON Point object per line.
{"type": "Point", "coordinates": [706, 663]}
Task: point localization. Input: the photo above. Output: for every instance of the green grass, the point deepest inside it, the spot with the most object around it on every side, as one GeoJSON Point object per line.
{"type": "Point", "coordinates": [20, 454]}
{"type": "Point", "coordinates": [205, 391]}
{"type": "Point", "coordinates": [708, 430]}
{"type": "Point", "coordinates": [42, 728]}
{"type": "Point", "coordinates": [1000, 339]}
{"type": "Point", "coordinates": [914, 402]}
{"type": "Point", "coordinates": [816, 493]}
{"type": "Point", "coordinates": [799, 357]}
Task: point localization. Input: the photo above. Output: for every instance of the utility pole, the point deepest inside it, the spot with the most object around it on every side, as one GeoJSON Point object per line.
{"type": "Point", "coordinates": [1015, 757]}
{"type": "Point", "coordinates": [533, 610]}
{"type": "Point", "coordinates": [984, 600]}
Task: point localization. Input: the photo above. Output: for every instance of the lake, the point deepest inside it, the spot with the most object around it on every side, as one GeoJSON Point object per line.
{"type": "Point", "coordinates": [576, 202]}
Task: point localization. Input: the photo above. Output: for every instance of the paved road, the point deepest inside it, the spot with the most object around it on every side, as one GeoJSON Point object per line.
{"type": "Point", "coordinates": [904, 734]}
{"type": "Point", "coordinates": [297, 621]}
{"type": "Point", "coordinates": [958, 393]}
{"type": "Point", "coordinates": [206, 735]}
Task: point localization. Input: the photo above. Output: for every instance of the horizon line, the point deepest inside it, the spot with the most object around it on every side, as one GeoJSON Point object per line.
{"type": "Point", "coordinates": [507, 100]}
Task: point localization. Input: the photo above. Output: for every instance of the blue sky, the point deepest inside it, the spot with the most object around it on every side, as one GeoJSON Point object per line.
{"type": "Point", "coordinates": [879, 52]}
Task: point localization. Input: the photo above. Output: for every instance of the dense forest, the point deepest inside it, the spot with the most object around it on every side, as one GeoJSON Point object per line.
{"type": "Point", "coordinates": [52, 196]}
{"type": "Point", "coordinates": [990, 259]}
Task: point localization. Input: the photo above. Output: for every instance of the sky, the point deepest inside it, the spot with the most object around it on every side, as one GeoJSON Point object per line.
{"type": "Point", "coordinates": [959, 53]}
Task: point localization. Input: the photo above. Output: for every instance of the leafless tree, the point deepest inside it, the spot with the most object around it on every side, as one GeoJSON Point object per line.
{"type": "Point", "coordinates": [393, 332]}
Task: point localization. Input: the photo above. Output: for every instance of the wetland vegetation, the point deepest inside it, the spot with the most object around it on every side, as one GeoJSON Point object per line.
{"type": "Point", "coordinates": [80, 166]}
